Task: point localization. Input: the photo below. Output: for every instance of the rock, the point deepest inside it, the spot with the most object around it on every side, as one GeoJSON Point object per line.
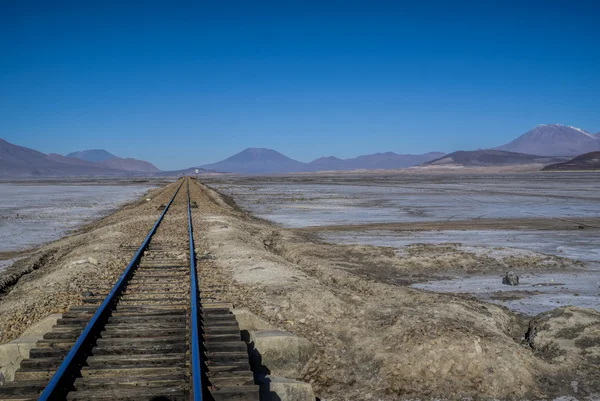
{"type": "Point", "coordinates": [87, 294]}
{"type": "Point", "coordinates": [205, 256]}
{"type": "Point", "coordinates": [510, 278]}
{"type": "Point", "coordinates": [93, 261]}
{"type": "Point", "coordinates": [12, 353]}
{"type": "Point", "coordinates": [282, 353]}
{"type": "Point", "coordinates": [273, 388]}
{"type": "Point", "coordinates": [356, 298]}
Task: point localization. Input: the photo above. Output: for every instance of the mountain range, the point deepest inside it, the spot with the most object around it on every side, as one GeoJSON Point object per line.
{"type": "Point", "coordinates": [19, 161]}
{"type": "Point", "coordinates": [264, 161]}
{"type": "Point", "coordinates": [538, 146]}
{"type": "Point", "coordinates": [544, 144]}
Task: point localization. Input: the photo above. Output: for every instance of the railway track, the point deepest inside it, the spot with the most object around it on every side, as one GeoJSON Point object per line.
{"type": "Point", "coordinates": [149, 337]}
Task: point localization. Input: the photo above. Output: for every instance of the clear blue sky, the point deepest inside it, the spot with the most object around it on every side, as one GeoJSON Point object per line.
{"type": "Point", "coordinates": [188, 83]}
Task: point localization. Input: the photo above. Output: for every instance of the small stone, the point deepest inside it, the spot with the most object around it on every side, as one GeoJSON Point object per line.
{"type": "Point", "coordinates": [148, 199]}
{"type": "Point", "coordinates": [356, 298]}
{"type": "Point", "coordinates": [87, 294]}
{"type": "Point", "coordinates": [303, 321]}
{"type": "Point", "coordinates": [510, 278]}
{"type": "Point", "coordinates": [93, 261]}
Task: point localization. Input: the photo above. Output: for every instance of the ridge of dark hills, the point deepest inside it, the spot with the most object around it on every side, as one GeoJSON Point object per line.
{"type": "Point", "coordinates": [491, 157]}
{"type": "Point", "coordinates": [586, 161]}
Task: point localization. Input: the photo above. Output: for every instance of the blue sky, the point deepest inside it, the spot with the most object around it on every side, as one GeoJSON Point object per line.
{"type": "Point", "coordinates": [187, 83]}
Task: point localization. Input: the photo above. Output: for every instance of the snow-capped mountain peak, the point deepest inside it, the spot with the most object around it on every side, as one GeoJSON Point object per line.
{"type": "Point", "coordinates": [554, 140]}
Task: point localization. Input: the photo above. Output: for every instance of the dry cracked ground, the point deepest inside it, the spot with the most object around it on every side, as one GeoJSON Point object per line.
{"type": "Point", "coordinates": [375, 338]}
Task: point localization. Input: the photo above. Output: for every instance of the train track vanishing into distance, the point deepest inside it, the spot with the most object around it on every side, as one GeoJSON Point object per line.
{"type": "Point", "coordinates": [149, 337]}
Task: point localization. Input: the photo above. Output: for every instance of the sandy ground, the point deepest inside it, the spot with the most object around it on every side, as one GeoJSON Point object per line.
{"type": "Point", "coordinates": [377, 338]}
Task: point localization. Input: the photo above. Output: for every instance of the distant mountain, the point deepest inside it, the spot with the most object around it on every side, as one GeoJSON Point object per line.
{"type": "Point", "coordinates": [327, 163]}
{"type": "Point", "coordinates": [69, 160]}
{"type": "Point", "coordinates": [257, 161]}
{"type": "Point", "coordinates": [490, 158]}
{"type": "Point", "coordinates": [586, 161]}
{"type": "Point", "coordinates": [129, 164]}
{"type": "Point", "coordinates": [19, 161]}
{"type": "Point", "coordinates": [92, 155]}
{"type": "Point", "coordinates": [597, 135]}
{"type": "Point", "coordinates": [387, 160]}
{"type": "Point", "coordinates": [553, 140]}
{"type": "Point", "coordinates": [106, 159]}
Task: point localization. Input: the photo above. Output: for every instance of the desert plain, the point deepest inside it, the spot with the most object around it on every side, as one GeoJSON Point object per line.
{"type": "Point", "coordinates": [395, 278]}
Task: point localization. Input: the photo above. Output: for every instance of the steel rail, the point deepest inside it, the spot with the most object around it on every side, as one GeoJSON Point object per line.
{"type": "Point", "coordinates": [196, 357]}
{"type": "Point", "coordinates": [57, 387]}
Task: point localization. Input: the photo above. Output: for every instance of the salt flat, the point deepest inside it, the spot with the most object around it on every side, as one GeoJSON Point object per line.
{"type": "Point", "coordinates": [509, 221]}
{"type": "Point", "coordinates": [33, 213]}
{"type": "Point", "coordinates": [300, 201]}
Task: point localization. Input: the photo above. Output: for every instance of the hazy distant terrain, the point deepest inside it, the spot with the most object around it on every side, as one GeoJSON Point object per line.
{"type": "Point", "coordinates": [387, 160]}
{"type": "Point", "coordinates": [260, 161]}
{"type": "Point", "coordinates": [543, 145]}
{"type": "Point", "coordinates": [92, 155]}
{"type": "Point", "coordinates": [19, 161]}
